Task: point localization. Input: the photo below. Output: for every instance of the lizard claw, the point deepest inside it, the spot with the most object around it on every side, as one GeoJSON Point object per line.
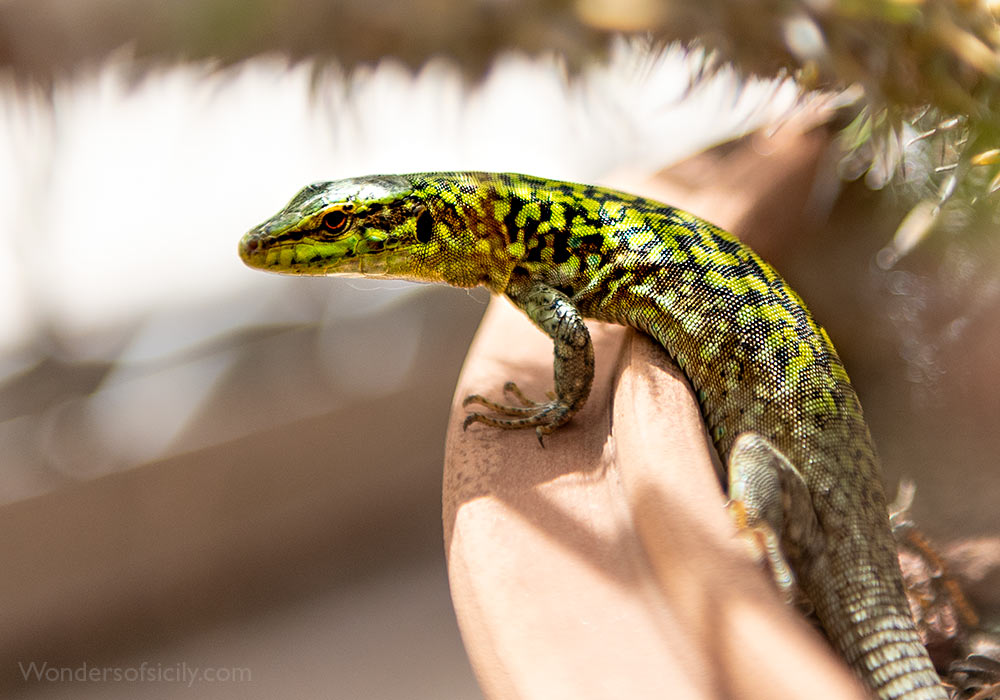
{"type": "Point", "coordinates": [545, 417]}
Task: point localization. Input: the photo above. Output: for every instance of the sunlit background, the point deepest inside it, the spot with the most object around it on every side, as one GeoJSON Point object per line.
{"type": "Point", "coordinates": [206, 466]}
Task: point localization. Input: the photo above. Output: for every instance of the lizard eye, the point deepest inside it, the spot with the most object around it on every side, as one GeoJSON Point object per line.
{"type": "Point", "coordinates": [335, 221]}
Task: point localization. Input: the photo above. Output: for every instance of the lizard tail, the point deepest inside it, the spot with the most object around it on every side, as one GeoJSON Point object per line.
{"type": "Point", "coordinates": [869, 621]}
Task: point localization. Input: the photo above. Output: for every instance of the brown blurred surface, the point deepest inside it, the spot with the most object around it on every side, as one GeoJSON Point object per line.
{"type": "Point", "coordinates": [308, 553]}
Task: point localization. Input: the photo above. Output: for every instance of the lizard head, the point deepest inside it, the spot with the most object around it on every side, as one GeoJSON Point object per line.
{"type": "Point", "coordinates": [425, 227]}
{"type": "Point", "coordinates": [364, 226]}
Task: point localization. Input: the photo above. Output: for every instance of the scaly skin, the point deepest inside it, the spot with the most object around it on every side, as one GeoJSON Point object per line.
{"type": "Point", "coordinates": [776, 399]}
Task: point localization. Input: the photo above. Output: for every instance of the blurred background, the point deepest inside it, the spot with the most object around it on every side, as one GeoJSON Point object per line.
{"type": "Point", "coordinates": [208, 470]}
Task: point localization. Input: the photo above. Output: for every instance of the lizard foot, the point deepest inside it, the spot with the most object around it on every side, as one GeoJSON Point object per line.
{"type": "Point", "coordinates": [764, 546]}
{"type": "Point", "coordinates": [543, 416]}
{"type": "Point", "coordinates": [771, 507]}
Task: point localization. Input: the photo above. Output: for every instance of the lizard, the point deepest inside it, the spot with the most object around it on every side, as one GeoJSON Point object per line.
{"type": "Point", "coordinates": [775, 397]}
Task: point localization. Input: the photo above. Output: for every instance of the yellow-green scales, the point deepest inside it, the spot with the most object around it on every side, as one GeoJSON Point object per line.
{"type": "Point", "coordinates": [775, 396]}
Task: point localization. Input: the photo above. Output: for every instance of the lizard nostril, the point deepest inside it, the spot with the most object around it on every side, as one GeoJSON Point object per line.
{"type": "Point", "coordinates": [250, 246]}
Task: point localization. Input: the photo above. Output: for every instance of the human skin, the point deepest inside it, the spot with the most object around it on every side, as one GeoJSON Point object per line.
{"type": "Point", "coordinates": [604, 564]}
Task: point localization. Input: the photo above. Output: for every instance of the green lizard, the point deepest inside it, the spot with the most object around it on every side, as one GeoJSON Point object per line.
{"type": "Point", "coordinates": [774, 394]}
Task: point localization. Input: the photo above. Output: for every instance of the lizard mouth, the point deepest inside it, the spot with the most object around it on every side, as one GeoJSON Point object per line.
{"type": "Point", "coordinates": [304, 255]}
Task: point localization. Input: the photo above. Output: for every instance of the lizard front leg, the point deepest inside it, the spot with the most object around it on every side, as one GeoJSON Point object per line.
{"type": "Point", "coordinates": [573, 365]}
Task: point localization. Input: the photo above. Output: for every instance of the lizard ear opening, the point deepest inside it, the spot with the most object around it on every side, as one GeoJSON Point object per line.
{"type": "Point", "coordinates": [425, 226]}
